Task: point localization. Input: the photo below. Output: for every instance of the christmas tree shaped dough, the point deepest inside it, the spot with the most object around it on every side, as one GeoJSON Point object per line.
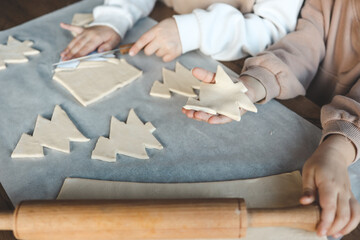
{"type": "Point", "coordinates": [93, 80]}
{"type": "Point", "coordinates": [223, 97]}
{"type": "Point", "coordinates": [15, 52]}
{"type": "Point", "coordinates": [181, 82]}
{"type": "Point", "coordinates": [130, 139]}
{"type": "Point", "coordinates": [55, 134]}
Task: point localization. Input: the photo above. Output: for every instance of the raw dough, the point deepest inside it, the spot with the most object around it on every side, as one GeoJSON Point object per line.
{"type": "Point", "coordinates": [15, 52]}
{"type": "Point", "coordinates": [181, 82]}
{"type": "Point", "coordinates": [93, 80]}
{"type": "Point", "coordinates": [129, 139]}
{"type": "Point", "coordinates": [81, 20]}
{"type": "Point", "coordinates": [54, 134]}
{"type": "Point", "coordinates": [282, 190]}
{"type": "Point", "coordinates": [223, 97]}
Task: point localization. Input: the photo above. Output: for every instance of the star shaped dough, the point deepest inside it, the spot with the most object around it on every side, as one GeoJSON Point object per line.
{"type": "Point", "coordinates": [15, 52]}
{"type": "Point", "coordinates": [181, 82]}
{"type": "Point", "coordinates": [130, 139]}
{"type": "Point", "coordinates": [54, 134]}
{"type": "Point", "coordinates": [223, 97]}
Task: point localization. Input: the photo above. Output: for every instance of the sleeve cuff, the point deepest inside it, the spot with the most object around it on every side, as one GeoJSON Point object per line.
{"type": "Point", "coordinates": [189, 31]}
{"type": "Point", "coordinates": [267, 79]}
{"type": "Point", "coordinates": [346, 129]}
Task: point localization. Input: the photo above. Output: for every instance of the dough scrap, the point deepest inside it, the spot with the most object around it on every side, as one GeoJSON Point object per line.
{"type": "Point", "coordinates": [81, 20]}
{"type": "Point", "coordinates": [93, 80]}
{"type": "Point", "coordinates": [15, 52]}
{"type": "Point", "coordinates": [223, 97]}
{"type": "Point", "coordinates": [130, 139]}
{"type": "Point", "coordinates": [55, 134]}
{"type": "Point", "coordinates": [181, 82]}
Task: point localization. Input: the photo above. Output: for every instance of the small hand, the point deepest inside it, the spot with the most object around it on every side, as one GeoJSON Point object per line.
{"type": "Point", "coordinates": [89, 39]}
{"type": "Point", "coordinates": [255, 92]}
{"type": "Point", "coordinates": [325, 173]}
{"type": "Point", "coordinates": [163, 40]}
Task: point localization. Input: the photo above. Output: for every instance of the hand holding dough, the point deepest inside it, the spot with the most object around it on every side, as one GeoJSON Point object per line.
{"type": "Point", "coordinates": [222, 97]}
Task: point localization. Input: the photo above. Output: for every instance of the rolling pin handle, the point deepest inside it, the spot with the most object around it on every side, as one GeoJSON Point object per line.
{"type": "Point", "coordinates": [6, 220]}
{"type": "Point", "coordinates": [301, 217]}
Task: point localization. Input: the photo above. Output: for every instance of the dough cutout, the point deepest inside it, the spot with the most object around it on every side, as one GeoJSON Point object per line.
{"type": "Point", "coordinates": [93, 80]}
{"type": "Point", "coordinates": [81, 20]}
{"type": "Point", "coordinates": [130, 139]}
{"type": "Point", "coordinates": [223, 97]}
{"type": "Point", "coordinates": [15, 52]}
{"type": "Point", "coordinates": [55, 134]}
{"type": "Point", "coordinates": [181, 82]}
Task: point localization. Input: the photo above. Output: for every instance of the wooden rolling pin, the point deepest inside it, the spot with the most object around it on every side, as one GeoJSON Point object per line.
{"type": "Point", "coordinates": [147, 219]}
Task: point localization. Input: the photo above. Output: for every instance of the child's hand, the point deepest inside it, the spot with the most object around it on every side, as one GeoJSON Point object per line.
{"type": "Point", "coordinates": [255, 92]}
{"type": "Point", "coordinates": [325, 173]}
{"type": "Point", "coordinates": [89, 39]}
{"type": "Point", "coordinates": [163, 40]}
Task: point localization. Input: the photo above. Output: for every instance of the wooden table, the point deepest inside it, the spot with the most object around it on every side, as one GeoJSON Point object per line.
{"type": "Point", "coordinates": [15, 12]}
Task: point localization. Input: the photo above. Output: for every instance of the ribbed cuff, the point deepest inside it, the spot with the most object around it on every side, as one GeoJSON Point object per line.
{"type": "Point", "coordinates": [189, 31]}
{"type": "Point", "coordinates": [267, 79]}
{"type": "Point", "coordinates": [345, 128]}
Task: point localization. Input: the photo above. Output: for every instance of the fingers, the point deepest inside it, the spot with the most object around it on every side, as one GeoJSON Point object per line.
{"type": "Point", "coordinates": [354, 218]}
{"type": "Point", "coordinates": [142, 42]}
{"type": "Point", "coordinates": [107, 46]}
{"type": "Point", "coordinates": [204, 75]}
{"type": "Point", "coordinates": [219, 119]}
{"type": "Point", "coordinates": [328, 204]}
{"type": "Point", "coordinates": [342, 216]}
{"type": "Point", "coordinates": [309, 187]}
{"type": "Point", "coordinates": [72, 28]}
{"type": "Point", "coordinates": [206, 117]}
{"type": "Point", "coordinates": [80, 46]}
{"type": "Point", "coordinates": [188, 113]}
{"type": "Point", "coordinates": [151, 48]}
{"type": "Point", "coordinates": [69, 52]}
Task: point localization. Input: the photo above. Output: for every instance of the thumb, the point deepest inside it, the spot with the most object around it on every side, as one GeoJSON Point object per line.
{"type": "Point", "coordinates": [203, 75]}
{"type": "Point", "coordinates": [309, 188]}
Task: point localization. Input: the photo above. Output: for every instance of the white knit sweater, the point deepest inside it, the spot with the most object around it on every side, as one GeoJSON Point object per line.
{"type": "Point", "coordinates": [221, 30]}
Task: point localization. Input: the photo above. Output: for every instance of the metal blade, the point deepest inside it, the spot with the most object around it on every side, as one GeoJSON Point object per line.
{"type": "Point", "coordinates": [88, 56]}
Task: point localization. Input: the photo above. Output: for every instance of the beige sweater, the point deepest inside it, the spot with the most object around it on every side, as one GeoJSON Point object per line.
{"type": "Point", "coordinates": [321, 58]}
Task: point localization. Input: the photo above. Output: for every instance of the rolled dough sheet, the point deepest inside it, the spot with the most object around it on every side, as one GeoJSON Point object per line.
{"type": "Point", "coordinates": [93, 80]}
{"type": "Point", "coordinates": [282, 190]}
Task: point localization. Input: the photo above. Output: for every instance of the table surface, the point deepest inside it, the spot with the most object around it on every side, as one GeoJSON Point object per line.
{"type": "Point", "coordinates": [15, 12]}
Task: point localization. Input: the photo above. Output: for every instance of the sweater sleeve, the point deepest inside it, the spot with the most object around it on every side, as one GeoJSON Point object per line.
{"type": "Point", "coordinates": [287, 68]}
{"type": "Point", "coordinates": [224, 33]}
{"type": "Point", "coordinates": [342, 116]}
{"type": "Point", "coordinates": [121, 15]}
